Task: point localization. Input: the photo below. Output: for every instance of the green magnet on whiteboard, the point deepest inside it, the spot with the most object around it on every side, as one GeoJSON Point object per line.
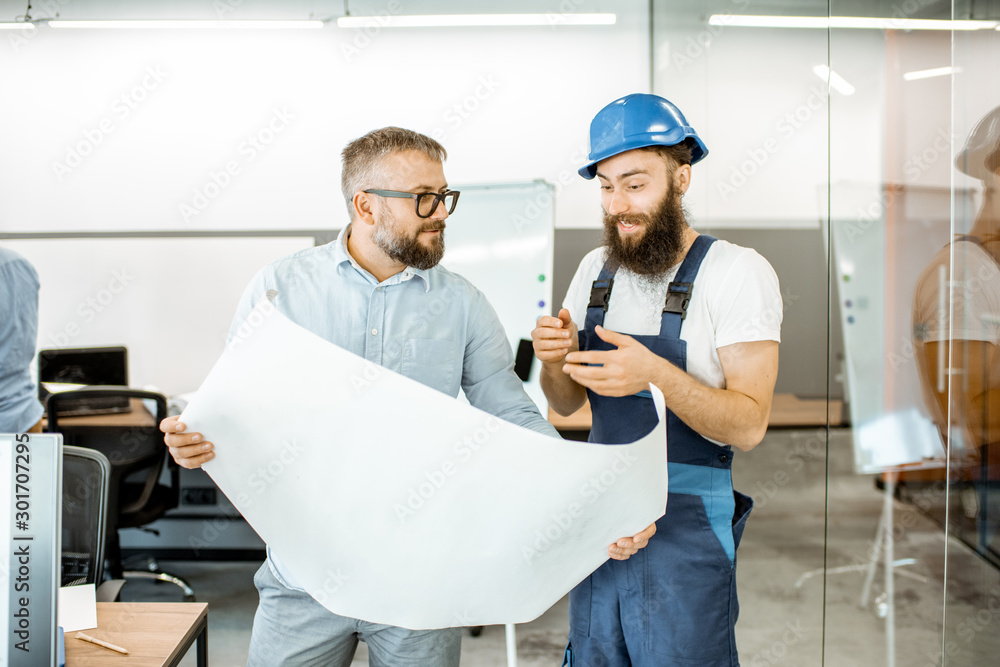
{"type": "Point", "coordinates": [541, 277]}
{"type": "Point", "coordinates": [847, 279]}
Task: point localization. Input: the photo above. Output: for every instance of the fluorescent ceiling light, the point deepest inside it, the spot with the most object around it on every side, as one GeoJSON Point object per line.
{"type": "Point", "coordinates": [928, 73]}
{"type": "Point", "coordinates": [860, 22]}
{"type": "Point", "coordinates": [185, 24]}
{"type": "Point", "coordinates": [469, 20]}
{"type": "Point", "coordinates": [747, 21]}
{"type": "Point", "coordinates": [836, 81]}
{"type": "Point", "coordinates": [21, 25]}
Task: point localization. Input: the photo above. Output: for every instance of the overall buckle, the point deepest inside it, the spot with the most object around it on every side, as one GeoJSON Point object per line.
{"type": "Point", "coordinates": [678, 297]}
{"type": "Point", "coordinates": [600, 294]}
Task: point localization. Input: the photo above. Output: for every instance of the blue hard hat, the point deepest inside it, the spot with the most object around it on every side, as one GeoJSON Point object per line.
{"type": "Point", "coordinates": [637, 121]}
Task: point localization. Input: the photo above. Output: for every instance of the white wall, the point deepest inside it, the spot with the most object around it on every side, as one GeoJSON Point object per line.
{"type": "Point", "coordinates": [118, 130]}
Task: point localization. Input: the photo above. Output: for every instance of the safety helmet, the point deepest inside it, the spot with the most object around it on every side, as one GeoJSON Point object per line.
{"type": "Point", "coordinates": [980, 158]}
{"type": "Point", "coordinates": [637, 121]}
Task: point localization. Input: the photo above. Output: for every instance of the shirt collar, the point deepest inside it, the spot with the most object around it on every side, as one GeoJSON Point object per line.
{"type": "Point", "coordinates": [342, 256]}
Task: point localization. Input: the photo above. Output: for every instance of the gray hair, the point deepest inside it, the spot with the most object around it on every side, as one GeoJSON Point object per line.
{"type": "Point", "coordinates": [363, 159]}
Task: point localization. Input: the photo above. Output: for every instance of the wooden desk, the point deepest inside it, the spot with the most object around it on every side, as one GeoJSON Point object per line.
{"type": "Point", "coordinates": [790, 411]}
{"type": "Point", "coordinates": [787, 411]}
{"type": "Point", "coordinates": [157, 634]}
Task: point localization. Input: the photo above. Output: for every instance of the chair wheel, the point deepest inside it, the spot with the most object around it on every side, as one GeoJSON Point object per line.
{"type": "Point", "coordinates": [476, 630]}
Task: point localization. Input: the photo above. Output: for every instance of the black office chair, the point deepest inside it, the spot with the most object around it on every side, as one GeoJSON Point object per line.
{"type": "Point", "coordinates": [137, 457]}
{"type": "Point", "coordinates": [86, 478]}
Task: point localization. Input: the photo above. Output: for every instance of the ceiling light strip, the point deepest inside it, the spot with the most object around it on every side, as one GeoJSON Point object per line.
{"type": "Point", "coordinates": [170, 24]}
{"type": "Point", "coordinates": [858, 22]}
{"type": "Point", "coordinates": [474, 20]}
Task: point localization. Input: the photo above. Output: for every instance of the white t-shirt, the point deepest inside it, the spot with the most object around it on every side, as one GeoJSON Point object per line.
{"type": "Point", "coordinates": [735, 299]}
{"type": "Point", "coordinates": [975, 296]}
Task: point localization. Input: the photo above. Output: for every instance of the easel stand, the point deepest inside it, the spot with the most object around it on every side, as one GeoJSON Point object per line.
{"type": "Point", "coordinates": [884, 544]}
{"type": "Point", "coordinates": [882, 549]}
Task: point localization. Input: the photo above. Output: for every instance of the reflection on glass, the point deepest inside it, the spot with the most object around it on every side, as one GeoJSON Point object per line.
{"type": "Point", "coordinates": [958, 298]}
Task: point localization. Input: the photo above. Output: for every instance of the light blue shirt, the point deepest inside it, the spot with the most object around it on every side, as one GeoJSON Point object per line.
{"type": "Point", "coordinates": [432, 326]}
{"type": "Point", "coordinates": [19, 406]}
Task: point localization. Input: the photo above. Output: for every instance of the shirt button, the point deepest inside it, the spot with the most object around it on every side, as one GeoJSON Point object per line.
{"type": "Point", "coordinates": [374, 332]}
{"type": "Point", "coordinates": [723, 458]}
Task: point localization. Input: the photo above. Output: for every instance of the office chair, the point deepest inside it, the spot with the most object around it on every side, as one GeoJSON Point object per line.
{"type": "Point", "coordinates": [86, 477]}
{"type": "Point", "coordinates": [137, 455]}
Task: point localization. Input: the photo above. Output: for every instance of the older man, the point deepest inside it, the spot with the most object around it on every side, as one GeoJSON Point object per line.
{"type": "Point", "coordinates": [702, 319]}
{"type": "Point", "coordinates": [378, 291]}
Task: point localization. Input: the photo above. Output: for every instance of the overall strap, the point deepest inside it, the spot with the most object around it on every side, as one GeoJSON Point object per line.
{"type": "Point", "coordinates": [600, 297]}
{"type": "Point", "coordinates": [679, 291]}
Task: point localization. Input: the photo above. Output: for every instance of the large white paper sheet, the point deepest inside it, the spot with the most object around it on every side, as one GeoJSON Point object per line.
{"type": "Point", "coordinates": [394, 503]}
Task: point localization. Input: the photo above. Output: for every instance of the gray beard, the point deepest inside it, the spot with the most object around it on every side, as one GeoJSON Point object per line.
{"type": "Point", "coordinates": [407, 250]}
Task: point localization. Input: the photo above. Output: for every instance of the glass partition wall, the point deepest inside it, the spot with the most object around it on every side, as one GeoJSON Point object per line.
{"type": "Point", "coordinates": [856, 145]}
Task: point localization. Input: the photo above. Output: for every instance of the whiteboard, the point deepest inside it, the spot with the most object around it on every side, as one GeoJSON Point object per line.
{"type": "Point", "coordinates": [877, 263]}
{"type": "Point", "coordinates": [501, 238]}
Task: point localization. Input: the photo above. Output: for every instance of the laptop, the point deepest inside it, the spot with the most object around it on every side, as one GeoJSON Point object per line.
{"type": "Point", "coordinates": [76, 368]}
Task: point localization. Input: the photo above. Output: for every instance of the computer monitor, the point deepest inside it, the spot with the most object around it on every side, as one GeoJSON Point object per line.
{"type": "Point", "coordinates": [74, 368]}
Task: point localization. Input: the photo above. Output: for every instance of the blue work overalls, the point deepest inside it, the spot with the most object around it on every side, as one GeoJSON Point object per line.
{"type": "Point", "coordinates": [674, 602]}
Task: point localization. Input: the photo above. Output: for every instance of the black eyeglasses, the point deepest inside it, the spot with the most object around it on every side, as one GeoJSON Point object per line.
{"type": "Point", "coordinates": [426, 202]}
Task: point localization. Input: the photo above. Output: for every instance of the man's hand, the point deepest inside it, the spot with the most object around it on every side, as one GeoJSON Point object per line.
{"type": "Point", "coordinates": [188, 449]}
{"type": "Point", "coordinates": [628, 546]}
{"type": "Point", "coordinates": [553, 337]}
{"type": "Point", "coordinates": [621, 372]}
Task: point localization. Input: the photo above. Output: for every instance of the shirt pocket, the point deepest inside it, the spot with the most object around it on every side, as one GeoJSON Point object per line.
{"type": "Point", "coordinates": [432, 362]}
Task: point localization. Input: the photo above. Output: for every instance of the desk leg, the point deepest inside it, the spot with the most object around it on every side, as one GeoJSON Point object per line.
{"type": "Point", "coordinates": [202, 647]}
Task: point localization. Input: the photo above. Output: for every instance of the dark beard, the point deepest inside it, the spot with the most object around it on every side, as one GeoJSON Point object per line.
{"type": "Point", "coordinates": [661, 244]}
{"type": "Point", "coordinates": [409, 250]}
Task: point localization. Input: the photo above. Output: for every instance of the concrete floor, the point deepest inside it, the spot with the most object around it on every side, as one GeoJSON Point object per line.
{"type": "Point", "coordinates": [790, 613]}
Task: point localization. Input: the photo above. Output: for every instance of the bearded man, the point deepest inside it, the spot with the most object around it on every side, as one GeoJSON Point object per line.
{"type": "Point", "coordinates": [377, 291]}
{"type": "Point", "coordinates": [698, 318]}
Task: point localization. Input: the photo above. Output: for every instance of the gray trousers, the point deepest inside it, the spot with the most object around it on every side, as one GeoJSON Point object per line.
{"type": "Point", "coordinates": [292, 629]}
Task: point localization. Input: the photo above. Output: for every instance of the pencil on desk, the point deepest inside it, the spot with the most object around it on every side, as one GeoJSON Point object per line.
{"type": "Point", "coordinates": [107, 645]}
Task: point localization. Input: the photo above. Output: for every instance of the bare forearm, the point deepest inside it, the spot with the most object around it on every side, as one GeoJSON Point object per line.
{"type": "Point", "coordinates": [564, 395]}
{"type": "Point", "coordinates": [720, 414]}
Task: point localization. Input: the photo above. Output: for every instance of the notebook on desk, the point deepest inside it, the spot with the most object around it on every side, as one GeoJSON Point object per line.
{"type": "Point", "coordinates": [76, 368]}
